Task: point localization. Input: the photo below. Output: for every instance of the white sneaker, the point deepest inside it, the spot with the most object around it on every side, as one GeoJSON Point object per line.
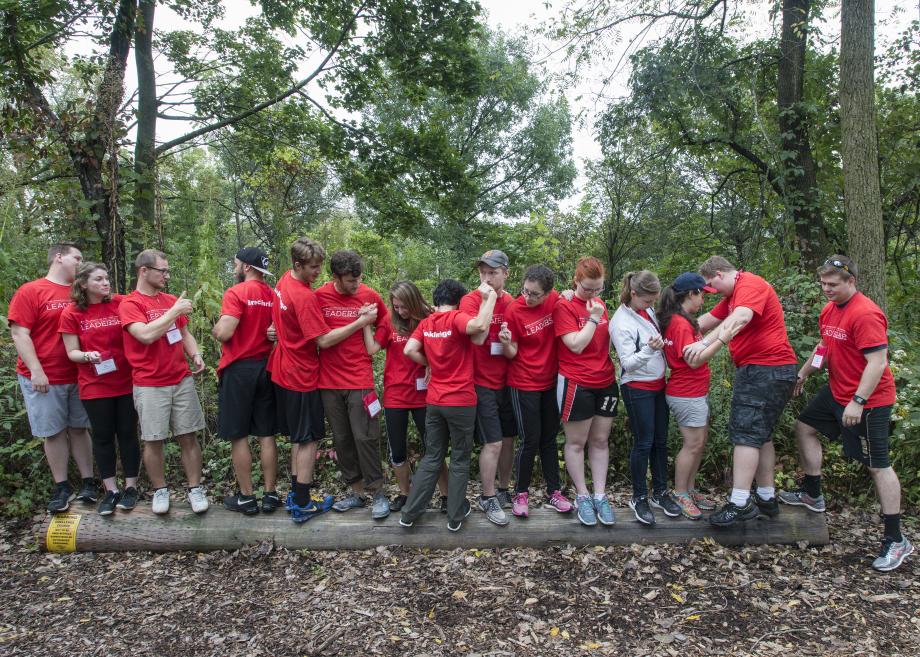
{"type": "Point", "coordinates": [160, 504]}
{"type": "Point", "coordinates": [198, 499]}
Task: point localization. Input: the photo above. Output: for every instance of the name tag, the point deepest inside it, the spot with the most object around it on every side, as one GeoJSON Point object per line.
{"type": "Point", "coordinates": [420, 384]}
{"type": "Point", "coordinates": [173, 335]}
{"type": "Point", "coordinates": [818, 359]}
{"type": "Point", "coordinates": [372, 404]}
{"type": "Point", "coordinates": [495, 348]}
{"type": "Point", "coordinates": [106, 366]}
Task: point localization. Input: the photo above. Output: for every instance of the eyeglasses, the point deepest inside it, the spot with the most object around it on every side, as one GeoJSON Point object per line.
{"type": "Point", "coordinates": [532, 294]}
{"type": "Point", "coordinates": [165, 272]}
{"type": "Point", "coordinates": [592, 290]}
{"type": "Point", "coordinates": [838, 264]}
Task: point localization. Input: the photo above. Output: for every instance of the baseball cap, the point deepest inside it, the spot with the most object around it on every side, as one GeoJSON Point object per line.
{"type": "Point", "coordinates": [255, 258]}
{"type": "Point", "coordinates": [690, 280]}
{"type": "Point", "coordinates": [494, 258]}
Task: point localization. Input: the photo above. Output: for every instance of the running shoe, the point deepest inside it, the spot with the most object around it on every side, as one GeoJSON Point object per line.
{"type": "Point", "coordinates": [892, 554]}
{"type": "Point", "coordinates": [521, 505]}
{"type": "Point", "coordinates": [398, 502]}
{"type": "Point", "coordinates": [666, 503]}
{"type": "Point", "coordinates": [89, 491]}
{"type": "Point", "coordinates": [468, 508]}
{"type": "Point", "coordinates": [642, 510]}
{"type": "Point", "coordinates": [493, 510]}
{"type": "Point", "coordinates": [380, 508]}
{"type": "Point", "coordinates": [801, 498]}
{"type": "Point", "coordinates": [702, 502]}
{"type": "Point", "coordinates": [245, 504]}
{"type": "Point", "coordinates": [160, 502]}
{"type": "Point", "coordinates": [687, 507]}
{"type": "Point", "coordinates": [199, 500]}
{"type": "Point", "coordinates": [107, 505]}
{"type": "Point", "coordinates": [289, 501]}
{"type": "Point", "coordinates": [603, 511]}
{"type": "Point", "coordinates": [60, 499]}
{"type": "Point", "coordinates": [313, 508]}
{"type": "Point", "coordinates": [504, 498]}
{"type": "Point", "coordinates": [559, 502]}
{"type": "Point", "coordinates": [270, 502]}
{"type": "Point", "coordinates": [730, 514]}
{"type": "Point", "coordinates": [349, 502]}
{"type": "Point", "coordinates": [769, 508]}
{"type": "Point", "coordinates": [586, 514]}
{"type": "Point", "coordinates": [128, 499]}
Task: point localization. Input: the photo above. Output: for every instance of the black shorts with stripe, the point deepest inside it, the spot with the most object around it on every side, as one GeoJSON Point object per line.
{"type": "Point", "coordinates": [577, 402]}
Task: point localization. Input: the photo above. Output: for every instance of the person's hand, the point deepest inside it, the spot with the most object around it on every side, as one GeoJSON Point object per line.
{"type": "Point", "coordinates": [92, 357]}
{"type": "Point", "coordinates": [182, 306]}
{"type": "Point", "coordinates": [568, 295]}
{"type": "Point", "coordinates": [39, 382]}
{"type": "Point", "coordinates": [197, 364]}
{"type": "Point", "coordinates": [596, 308]}
{"type": "Point", "coordinates": [728, 330]}
{"type": "Point", "coordinates": [692, 351]}
{"type": "Point", "coordinates": [504, 335]}
{"type": "Point", "coordinates": [427, 375]}
{"type": "Point", "coordinates": [656, 342]}
{"type": "Point", "coordinates": [852, 414]}
{"type": "Point", "coordinates": [486, 290]}
{"type": "Point", "coordinates": [271, 333]}
{"type": "Point", "coordinates": [799, 384]}
{"type": "Point", "coordinates": [368, 313]}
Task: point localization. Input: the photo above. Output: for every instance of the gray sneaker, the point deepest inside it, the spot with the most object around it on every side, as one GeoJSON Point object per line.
{"type": "Point", "coordinates": [801, 498]}
{"type": "Point", "coordinates": [892, 554]}
{"type": "Point", "coordinates": [351, 501]}
{"type": "Point", "coordinates": [493, 510]}
{"type": "Point", "coordinates": [381, 506]}
{"type": "Point", "coordinates": [505, 498]}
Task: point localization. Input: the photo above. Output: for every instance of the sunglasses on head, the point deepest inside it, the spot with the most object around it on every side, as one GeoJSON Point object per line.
{"type": "Point", "coordinates": [839, 265]}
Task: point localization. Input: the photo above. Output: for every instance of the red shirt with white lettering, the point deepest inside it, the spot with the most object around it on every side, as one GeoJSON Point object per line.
{"type": "Point", "coordinates": [400, 373]}
{"type": "Point", "coordinates": [347, 365]}
{"type": "Point", "coordinates": [251, 303]}
{"type": "Point", "coordinates": [298, 321]}
{"type": "Point", "coordinates": [763, 341]}
{"type": "Point", "coordinates": [684, 380]}
{"type": "Point", "coordinates": [99, 329]}
{"type": "Point", "coordinates": [449, 352]}
{"type": "Point", "coordinates": [847, 331]}
{"type": "Point", "coordinates": [490, 365]}
{"type": "Point", "coordinates": [535, 365]}
{"type": "Point", "coordinates": [157, 364]}
{"type": "Point", "coordinates": [37, 306]}
{"type": "Point", "coordinates": [592, 368]}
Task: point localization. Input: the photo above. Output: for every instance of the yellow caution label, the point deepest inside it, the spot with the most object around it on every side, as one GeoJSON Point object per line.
{"type": "Point", "coordinates": [62, 533]}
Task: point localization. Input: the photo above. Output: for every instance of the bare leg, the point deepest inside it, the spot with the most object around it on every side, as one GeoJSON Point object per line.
{"type": "Point", "coordinates": [191, 458]}
{"type": "Point", "coordinates": [766, 467]}
{"type": "Point", "coordinates": [688, 459]}
{"type": "Point", "coordinates": [506, 462]}
{"type": "Point", "coordinates": [888, 488]}
{"type": "Point", "coordinates": [306, 462]}
{"type": "Point", "coordinates": [268, 456]}
{"type": "Point", "coordinates": [576, 437]}
{"type": "Point", "coordinates": [242, 464]}
{"type": "Point", "coordinates": [154, 463]}
{"type": "Point", "coordinates": [403, 477]}
{"type": "Point", "coordinates": [57, 452]}
{"type": "Point", "coordinates": [744, 465]}
{"type": "Point", "coordinates": [811, 454]}
{"type": "Point", "coordinates": [488, 464]}
{"type": "Point", "coordinates": [81, 449]}
{"type": "Point", "coordinates": [599, 452]}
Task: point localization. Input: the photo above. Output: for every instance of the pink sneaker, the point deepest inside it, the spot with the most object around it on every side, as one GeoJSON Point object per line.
{"type": "Point", "coordinates": [520, 506]}
{"type": "Point", "coordinates": [557, 501]}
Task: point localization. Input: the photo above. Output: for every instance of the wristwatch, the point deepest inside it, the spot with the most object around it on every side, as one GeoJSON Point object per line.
{"type": "Point", "coordinates": [860, 400]}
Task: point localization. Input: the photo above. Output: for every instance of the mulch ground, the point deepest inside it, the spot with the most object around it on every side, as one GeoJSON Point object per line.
{"type": "Point", "coordinates": [698, 599]}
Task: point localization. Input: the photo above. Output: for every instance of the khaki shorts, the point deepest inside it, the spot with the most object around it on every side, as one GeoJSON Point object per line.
{"type": "Point", "coordinates": [163, 409]}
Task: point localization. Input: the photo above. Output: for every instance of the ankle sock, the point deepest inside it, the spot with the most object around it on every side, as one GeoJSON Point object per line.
{"type": "Point", "coordinates": [893, 526]}
{"type": "Point", "coordinates": [766, 493]}
{"type": "Point", "coordinates": [740, 496]}
{"type": "Point", "coordinates": [598, 496]}
{"type": "Point", "coordinates": [812, 485]}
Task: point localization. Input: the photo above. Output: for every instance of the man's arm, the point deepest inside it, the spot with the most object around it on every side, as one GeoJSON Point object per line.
{"type": "Point", "coordinates": [876, 362]}
{"type": "Point", "coordinates": [225, 327]}
{"type": "Point", "coordinates": [22, 339]}
{"type": "Point", "coordinates": [738, 318]}
{"type": "Point", "coordinates": [366, 316]}
{"type": "Point", "coordinates": [479, 325]}
{"type": "Point", "coordinates": [413, 351]}
{"type": "Point", "coordinates": [370, 344]}
{"type": "Point", "coordinates": [190, 345]}
{"type": "Point", "coordinates": [150, 332]}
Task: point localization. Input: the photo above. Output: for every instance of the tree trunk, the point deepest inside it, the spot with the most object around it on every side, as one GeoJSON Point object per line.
{"type": "Point", "coordinates": [797, 178]}
{"type": "Point", "coordinates": [144, 150]}
{"type": "Point", "coordinates": [861, 188]}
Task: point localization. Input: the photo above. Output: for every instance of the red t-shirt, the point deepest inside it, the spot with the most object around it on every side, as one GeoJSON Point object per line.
{"type": "Point", "coordinates": [37, 306]}
{"type": "Point", "coordinates": [251, 303]}
{"type": "Point", "coordinates": [684, 380]}
{"type": "Point", "coordinates": [592, 368]}
{"type": "Point", "coordinates": [535, 365]}
{"type": "Point", "coordinates": [298, 322]}
{"type": "Point", "coordinates": [490, 364]}
{"type": "Point", "coordinates": [347, 365]}
{"type": "Point", "coordinates": [99, 329]}
{"type": "Point", "coordinates": [763, 341]}
{"type": "Point", "coordinates": [400, 373]}
{"type": "Point", "coordinates": [846, 331]}
{"type": "Point", "coordinates": [157, 364]}
{"type": "Point", "coordinates": [449, 352]}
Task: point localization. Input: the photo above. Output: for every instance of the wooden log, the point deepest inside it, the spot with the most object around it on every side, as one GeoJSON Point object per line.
{"type": "Point", "coordinates": [85, 531]}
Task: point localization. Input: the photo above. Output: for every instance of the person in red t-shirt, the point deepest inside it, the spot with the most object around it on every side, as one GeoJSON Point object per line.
{"type": "Point", "coordinates": [157, 343]}
{"type": "Point", "coordinates": [529, 344]}
{"type": "Point", "coordinates": [494, 415]}
{"type": "Point", "coordinates": [404, 383]}
{"type": "Point", "coordinates": [245, 396]}
{"type": "Point", "coordinates": [47, 377]}
{"type": "Point", "coordinates": [91, 330]}
{"type": "Point", "coordinates": [764, 378]}
{"type": "Point", "coordinates": [346, 383]}
{"type": "Point", "coordinates": [441, 342]}
{"type": "Point", "coordinates": [855, 406]}
{"type": "Point", "coordinates": [586, 391]}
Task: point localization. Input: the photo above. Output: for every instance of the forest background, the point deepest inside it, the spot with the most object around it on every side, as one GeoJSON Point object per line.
{"type": "Point", "coordinates": [421, 134]}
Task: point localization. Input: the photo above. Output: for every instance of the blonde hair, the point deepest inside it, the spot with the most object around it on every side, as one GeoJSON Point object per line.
{"type": "Point", "coordinates": [715, 264]}
{"type": "Point", "coordinates": [640, 282]}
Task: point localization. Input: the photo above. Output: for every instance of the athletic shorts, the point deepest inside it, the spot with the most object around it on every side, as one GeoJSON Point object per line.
{"type": "Point", "coordinates": [759, 397]}
{"type": "Point", "coordinates": [866, 442]}
{"type": "Point", "coordinates": [494, 415]}
{"type": "Point", "coordinates": [246, 400]}
{"type": "Point", "coordinates": [578, 403]}
{"type": "Point", "coordinates": [299, 415]}
{"type": "Point", "coordinates": [161, 409]}
{"type": "Point", "coordinates": [53, 411]}
{"type": "Point", "coordinates": [689, 412]}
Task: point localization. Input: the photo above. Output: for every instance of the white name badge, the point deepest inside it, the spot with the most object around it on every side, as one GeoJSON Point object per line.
{"type": "Point", "coordinates": [495, 348]}
{"type": "Point", "coordinates": [374, 408]}
{"type": "Point", "coordinates": [420, 384]}
{"type": "Point", "coordinates": [173, 335]}
{"type": "Point", "coordinates": [105, 366]}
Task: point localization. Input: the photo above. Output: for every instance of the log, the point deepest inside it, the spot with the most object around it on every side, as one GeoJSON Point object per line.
{"type": "Point", "coordinates": [84, 530]}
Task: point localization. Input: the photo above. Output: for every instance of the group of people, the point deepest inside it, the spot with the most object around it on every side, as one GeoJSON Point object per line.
{"type": "Point", "coordinates": [479, 366]}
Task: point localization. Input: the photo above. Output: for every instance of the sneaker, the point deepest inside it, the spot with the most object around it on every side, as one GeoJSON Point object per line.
{"type": "Point", "coordinates": [559, 502]}
{"type": "Point", "coordinates": [398, 502]}
{"type": "Point", "coordinates": [198, 499]}
{"type": "Point", "coordinates": [586, 514]}
{"type": "Point", "coordinates": [380, 508]}
{"type": "Point", "coordinates": [892, 554]}
{"type": "Point", "coordinates": [603, 511]}
{"type": "Point", "coordinates": [403, 522]}
{"type": "Point", "coordinates": [642, 510]}
{"type": "Point", "coordinates": [270, 502]}
{"type": "Point", "coordinates": [349, 502]}
{"type": "Point", "coordinates": [666, 503]}
{"type": "Point", "coordinates": [160, 503]}
{"type": "Point", "coordinates": [520, 505]}
{"type": "Point", "coordinates": [60, 499]}
{"type": "Point", "coordinates": [89, 491]}
{"type": "Point", "coordinates": [289, 501]}
{"type": "Point", "coordinates": [313, 508]}
{"type": "Point", "coordinates": [493, 510]}
{"type": "Point", "coordinates": [702, 502]}
{"type": "Point", "coordinates": [801, 498]}
{"type": "Point", "coordinates": [730, 514]}
{"type": "Point", "coordinates": [505, 499]}
{"type": "Point", "coordinates": [769, 508]}
{"type": "Point", "coordinates": [443, 503]}
{"type": "Point", "coordinates": [455, 527]}
{"type": "Point", "coordinates": [687, 507]}
{"type": "Point", "coordinates": [107, 505]}
{"type": "Point", "coordinates": [245, 504]}
{"type": "Point", "coordinates": [128, 499]}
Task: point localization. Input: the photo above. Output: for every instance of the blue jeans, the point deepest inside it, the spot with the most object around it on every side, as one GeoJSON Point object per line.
{"type": "Point", "coordinates": [648, 419]}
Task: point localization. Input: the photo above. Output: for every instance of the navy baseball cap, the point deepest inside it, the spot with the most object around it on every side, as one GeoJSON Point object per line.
{"type": "Point", "coordinates": [690, 280]}
{"type": "Point", "coordinates": [255, 258]}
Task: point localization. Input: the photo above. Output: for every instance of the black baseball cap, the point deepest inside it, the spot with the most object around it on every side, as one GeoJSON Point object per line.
{"type": "Point", "coordinates": [494, 258]}
{"type": "Point", "coordinates": [255, 258]}
{"type": "Point", "coordinates": [690, 280]}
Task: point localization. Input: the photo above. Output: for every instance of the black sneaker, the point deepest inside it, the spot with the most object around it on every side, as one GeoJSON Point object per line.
{"type": "Point", "coordinates": [60, 499]}
{"type": "Point", "coordinates": [443, 503]}
{"type": "Point", "coordinates": [245, 504]}
{"type": "Point", "coordinates": [89, 491]}
{"type": "Point", "coordinates": [128, 499]}
{"type": "Point", "coordinates": [456, 527]}
{"type": "Point", "coordinates": [107, 505]}
{"type": "Point", "coordinates": [666, 503]}
{"type": "Point", "coordinates": [398, 502]}
{"type": "Point", "coordinates": [730, 514]}
{"type": "Point", "coordinates": [505, 499]}
{"type": "Point", "coordinates": [641, 508]}
{"type": "Point", "coordinates": [270, 502]}
{"type": "Point", "coordinates": [769, 508]}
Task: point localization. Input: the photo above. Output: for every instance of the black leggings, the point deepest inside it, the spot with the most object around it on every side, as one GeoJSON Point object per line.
{"type": "Point", "coordinates": [397, 423]}
{"type": "Point", "coordinates": [537, 418]}
{"type": "Point", "coordinates": [111, 416]}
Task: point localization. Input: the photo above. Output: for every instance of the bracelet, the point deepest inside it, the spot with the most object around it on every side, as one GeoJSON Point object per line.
{"type": "Point", "coordinates": [85, 356]}
{"type": "Point", "coordinates": [593, 321]}
{"type": "Point", "coordinates": [722, 341]}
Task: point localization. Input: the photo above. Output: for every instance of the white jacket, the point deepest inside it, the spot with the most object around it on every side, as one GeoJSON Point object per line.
{"type": "Point", "coordinates": [630, 334]}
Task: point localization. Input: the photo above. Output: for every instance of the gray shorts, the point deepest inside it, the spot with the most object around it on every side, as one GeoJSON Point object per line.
{"type": "Point", "coordinates": [53, 411]}
{"type": "Point", "coordinates": [161, 409]}
{"type": "Point", "coordinates": [689, 411]}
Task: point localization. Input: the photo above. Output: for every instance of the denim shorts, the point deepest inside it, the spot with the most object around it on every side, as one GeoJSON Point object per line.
{"type": "Point", "coordinates": [760, 395]}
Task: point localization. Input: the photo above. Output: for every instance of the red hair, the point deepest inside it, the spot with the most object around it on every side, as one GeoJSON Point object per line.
{"type": "Point", "coordinates": [588, 267]}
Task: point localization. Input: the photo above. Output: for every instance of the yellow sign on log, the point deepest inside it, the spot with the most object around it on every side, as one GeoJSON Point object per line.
{"type": "Point", "coordinates": [62, 533]}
